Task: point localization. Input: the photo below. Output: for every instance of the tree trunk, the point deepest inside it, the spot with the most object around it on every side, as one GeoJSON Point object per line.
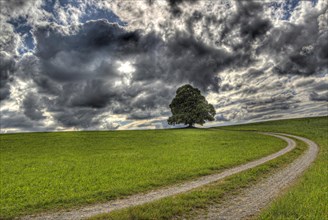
{"type": "Point", "coordinates": [190, 126]}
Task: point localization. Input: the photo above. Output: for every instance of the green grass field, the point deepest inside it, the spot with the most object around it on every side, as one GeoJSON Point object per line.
{"type": "Point", "coordinates": [186, 205]}
{"type": "Point", "coordinates": [48, 171]}
{"type": "Point", "coordinates": [306, 200]}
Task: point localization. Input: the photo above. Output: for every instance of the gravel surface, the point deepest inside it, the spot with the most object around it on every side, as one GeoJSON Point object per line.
{"type": "Point", "coordinates": [252, 200]}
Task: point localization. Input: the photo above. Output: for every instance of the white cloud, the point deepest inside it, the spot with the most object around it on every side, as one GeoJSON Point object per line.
{"type": "Point", "coordinates": [137, 87]}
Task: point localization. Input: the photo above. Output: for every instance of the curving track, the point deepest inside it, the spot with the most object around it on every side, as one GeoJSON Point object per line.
{"type": "Point", "coordinates": [251, 200]}
{"type": "Point", "coordinates": [240, 207]}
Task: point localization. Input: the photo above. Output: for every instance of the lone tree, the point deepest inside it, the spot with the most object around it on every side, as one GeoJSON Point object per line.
{"type": "Point", "coordinates": [190, 107]}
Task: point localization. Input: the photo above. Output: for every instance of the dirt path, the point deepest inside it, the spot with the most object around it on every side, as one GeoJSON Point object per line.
{"type": "Point", "coordinates": [139, 199]}
{"type": "Point", "coordinates": [252, 199]}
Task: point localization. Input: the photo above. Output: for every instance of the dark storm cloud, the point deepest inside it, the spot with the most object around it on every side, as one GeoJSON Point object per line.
{"type": "Point", "coordinates": [314, 96]}
{"type": "Point", "coordinates": [238, 31]}
{"type": "Point", "coordinates": [300, 49]}
{"type": "Point", "coordinates": [304, 83]}
{"type": "Point", "coordinates": [250, 90]}
{"type": "Point", "coordinates": [257, 107]}
{"type": "Point", "coordinates": [14, 120]}
{"type": "Point", "coordinates": [321, 86]}
{"type": "Point", "coordinates": [263, 116]}
{"type": "Point", "coordinates": [81, 55]}
{"type": "Point", "coordinates": [81, 93]}
{"type": "Point", "coordinates": [32, 107]}
{"type": "Point", "coordinates": [253, 87]}
{"type": "Point", "coordinates": [253, 74]}
{"type": "Point", "coordinates": [269, 105]}
{"type": "Point", "coordinates": [8, 40]}
{"type": "Point", "coordinates": [249, 21]}
{"type": "Point", "coordinates": [18, 9]}
{"type": "Point", "coordinates": [230, 87]}
{"type": "Point", "coordinates": [11, 5]}
{"type": "Point", "coordinates": [141, 115]}
{"type": "Point", "coordinates": [282, 101]}
{"type": "Point", "coordinates": [18, 122]}
{"type": "Point", "coordinates": [226, 87]}
{"type": "Point", "coordinates": [80, 69]}
{"type": "Point", "coordinates": [86, 56]}
{"type": "Point", "coordinates": [183, 59]}
{"type": "Point", "coordinates": [80, 118]}
{"type": "Point", "coordinates": [92, 94]}
{"type": "Point", "coordinates": [220, 117]}
{"type": "Point", "coordinates": [7, 69]}
{"type": "Point", "coordinates": [175, 7]}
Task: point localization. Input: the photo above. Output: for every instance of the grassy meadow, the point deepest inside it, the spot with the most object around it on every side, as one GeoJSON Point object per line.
{"type": "Point", "coordinates": [49, 171]}
{"type": "Point", "coordinates": [308, 199]}
{"type": "Point", "coordinates": [305, 200]}
{"type": "Point", "coordinates": [189, 205]}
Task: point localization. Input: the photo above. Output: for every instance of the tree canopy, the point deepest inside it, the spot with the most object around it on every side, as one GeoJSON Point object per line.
{"type": "Point", "coordinates": [189, 107]}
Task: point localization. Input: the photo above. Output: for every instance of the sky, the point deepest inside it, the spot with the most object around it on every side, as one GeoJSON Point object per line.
{"type": "Point", "coordinates": [108, 64]}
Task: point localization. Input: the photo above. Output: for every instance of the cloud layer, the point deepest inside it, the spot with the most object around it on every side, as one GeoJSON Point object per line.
{"type": "Point", "coordinates": [116, 65]}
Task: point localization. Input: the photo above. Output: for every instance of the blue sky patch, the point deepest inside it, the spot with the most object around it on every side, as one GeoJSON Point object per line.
{"type": "Point", "coordinates": [25, 31]}
{"type": "Point", "coordinates": [289, 6]}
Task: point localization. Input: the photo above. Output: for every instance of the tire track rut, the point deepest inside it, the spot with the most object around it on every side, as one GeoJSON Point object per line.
{"type": "Point", "coordinates": [253, 199]}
